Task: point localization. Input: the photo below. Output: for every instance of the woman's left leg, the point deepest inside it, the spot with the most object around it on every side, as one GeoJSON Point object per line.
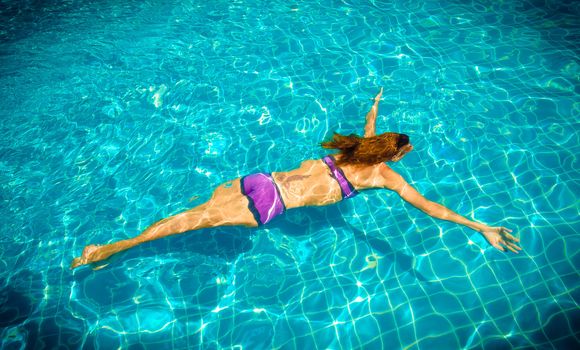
{"type": "Point", "coordinates": [227, 207]}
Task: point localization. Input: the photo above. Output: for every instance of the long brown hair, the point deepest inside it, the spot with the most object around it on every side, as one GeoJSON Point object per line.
{"type": "Point", "coordinates": [358, 150]}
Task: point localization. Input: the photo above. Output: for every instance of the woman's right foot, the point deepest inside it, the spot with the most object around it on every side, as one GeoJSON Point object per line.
{"type": "Point", "coordinates": [89, 256]}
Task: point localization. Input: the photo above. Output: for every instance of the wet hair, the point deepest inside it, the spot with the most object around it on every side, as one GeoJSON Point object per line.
{"type": "Point", "coordinates": [356, 150]}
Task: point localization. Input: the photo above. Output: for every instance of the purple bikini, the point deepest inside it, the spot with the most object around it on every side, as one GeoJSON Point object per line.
{"type": "Point", "coordinates": [347, 189]}
{"type": "Point", "coordinates": [264, 196]}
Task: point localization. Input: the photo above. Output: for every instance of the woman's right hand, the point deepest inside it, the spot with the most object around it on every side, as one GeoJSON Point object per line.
{"type": "Point", "coordinates": [500, 238]}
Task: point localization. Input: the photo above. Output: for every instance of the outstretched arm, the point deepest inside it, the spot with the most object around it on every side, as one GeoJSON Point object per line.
{"type": "Point", "coordinates": [371, 117]}
{"type": "Point", "coordinates": [499, 237]}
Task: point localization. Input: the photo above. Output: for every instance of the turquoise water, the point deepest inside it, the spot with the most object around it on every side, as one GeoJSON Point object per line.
{"type": "Point", "coordinates": [117, 114]}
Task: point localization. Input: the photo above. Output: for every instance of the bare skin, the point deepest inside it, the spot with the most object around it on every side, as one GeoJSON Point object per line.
{"type": "Point", "coordinates": [308, 185]}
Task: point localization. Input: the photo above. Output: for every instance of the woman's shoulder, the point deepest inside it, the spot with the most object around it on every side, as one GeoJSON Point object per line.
{"type": "Point", "coordinates": [390, 178]}
{"type": "Point", "coordinates": [374, 176]}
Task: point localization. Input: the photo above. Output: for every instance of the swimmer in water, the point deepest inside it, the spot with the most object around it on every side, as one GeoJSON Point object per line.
{"type": "Point", "coordinates": [256, 199]}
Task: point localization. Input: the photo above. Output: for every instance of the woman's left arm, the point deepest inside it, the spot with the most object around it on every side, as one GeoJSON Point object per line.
{"type": "Point", "coordinates": [499, 237]}
{"type": "Point", "coordinates": [371, 118]}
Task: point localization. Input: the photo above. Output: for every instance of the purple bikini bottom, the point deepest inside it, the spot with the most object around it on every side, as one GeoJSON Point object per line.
{"type": "Point", "coordinates": [264, 196]}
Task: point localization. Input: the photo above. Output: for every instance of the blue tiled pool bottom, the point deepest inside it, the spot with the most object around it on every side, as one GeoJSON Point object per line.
{"type": "Point", "coordinates": [117, 114]}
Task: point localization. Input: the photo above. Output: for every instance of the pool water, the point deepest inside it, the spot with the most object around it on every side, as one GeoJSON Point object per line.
{"type": "Point", "coordinates": [115, 114]}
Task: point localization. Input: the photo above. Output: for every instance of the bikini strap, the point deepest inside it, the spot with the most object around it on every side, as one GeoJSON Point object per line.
{"type": "Point", "coordinates": [346, 187]}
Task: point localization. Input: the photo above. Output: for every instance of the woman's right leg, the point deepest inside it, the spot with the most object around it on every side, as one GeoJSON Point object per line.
{"type": "Point", "coordinates": [227, 207]}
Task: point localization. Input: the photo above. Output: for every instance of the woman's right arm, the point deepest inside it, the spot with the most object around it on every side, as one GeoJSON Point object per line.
{"type": "Point", "coordinates": [498, 237]}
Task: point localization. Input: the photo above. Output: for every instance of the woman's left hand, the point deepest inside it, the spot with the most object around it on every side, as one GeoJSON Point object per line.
{"type": "Point", "coordinates": [378, 97]}
{"type": "Point", "coordinates": [500, 238]}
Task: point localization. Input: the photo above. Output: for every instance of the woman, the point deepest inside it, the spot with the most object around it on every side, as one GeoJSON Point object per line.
{"type": "Point", "coordinates": [256, 199]}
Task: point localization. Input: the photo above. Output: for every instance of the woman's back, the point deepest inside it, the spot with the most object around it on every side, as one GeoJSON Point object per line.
{"type": "Point", "coordinates": [312, 183]}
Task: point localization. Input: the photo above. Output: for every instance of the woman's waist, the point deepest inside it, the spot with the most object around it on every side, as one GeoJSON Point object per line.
{"type": "Point", "coordinates": [307, 190]}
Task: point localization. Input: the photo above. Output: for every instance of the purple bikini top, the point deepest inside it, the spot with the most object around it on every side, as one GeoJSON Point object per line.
{"type": "Point", "coordinates": [346, 187]}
